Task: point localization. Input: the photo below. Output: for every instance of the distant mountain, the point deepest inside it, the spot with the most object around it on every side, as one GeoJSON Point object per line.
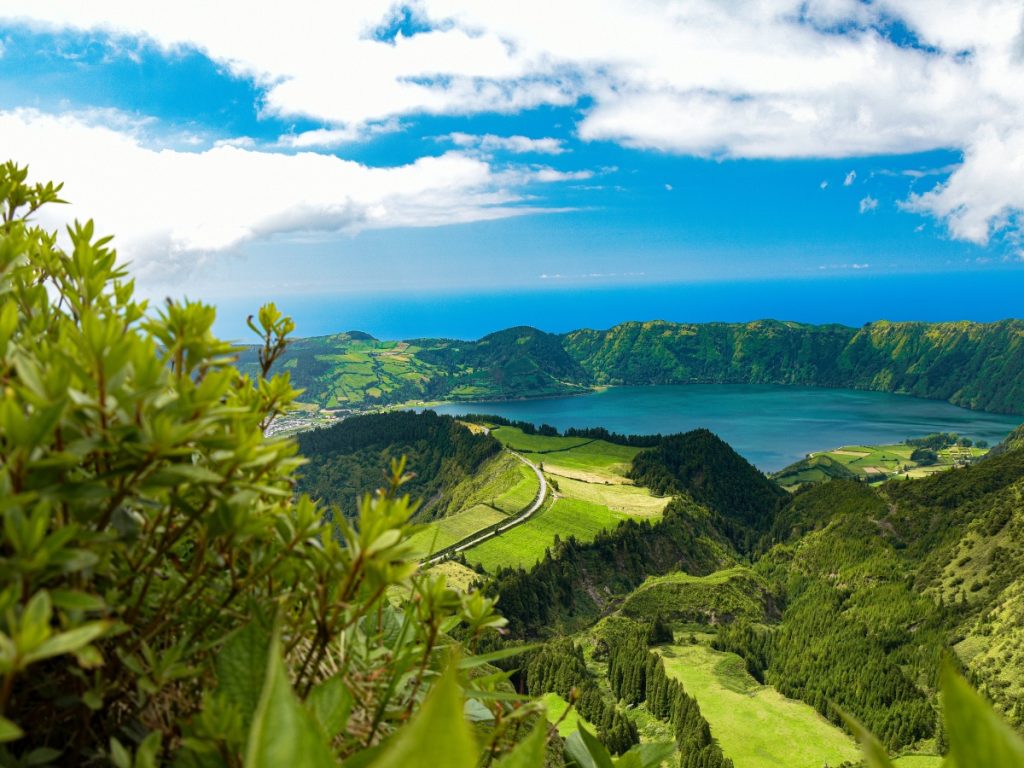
{"type": "Point", "coordinates": [974, 365]}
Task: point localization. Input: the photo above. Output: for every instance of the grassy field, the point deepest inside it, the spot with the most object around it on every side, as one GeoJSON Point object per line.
{"type": "Point", "coordinates": [628, 499]}
{"type": "Point", "coordinates": [524, 545]}
{"type": "Point", "coordinates": [756, 725]}
{"type": "Point", "coordinates": [875, 463]}
{"type": "Point", "coordinates": [556, 707]}
{"type": "Point", "coordinates": [503, 481]}
{"type": "Point", "coordinates": [521, 494]}
{"type": "Point", "coordinates": [448, 530]}
{"type": "Point", "coordinates": [918, 761]}
{"type": "Point", "coordinates": [570, 453]}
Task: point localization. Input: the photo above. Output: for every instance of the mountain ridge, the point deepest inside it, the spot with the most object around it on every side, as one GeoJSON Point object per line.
{"type": "Point", "coordinates": [973, 365]}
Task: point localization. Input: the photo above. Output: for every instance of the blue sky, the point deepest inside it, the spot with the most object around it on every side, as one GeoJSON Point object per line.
{"type": "Point", "coordinates": [437, 148]}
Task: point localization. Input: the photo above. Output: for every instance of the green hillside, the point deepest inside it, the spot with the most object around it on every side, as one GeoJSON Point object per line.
{"type": "Point", "coordinates": [735, 594]}
{"type": "Point", "coordinates": [346, 460]}
{"type": "Point", "coordinates": [974, 365]}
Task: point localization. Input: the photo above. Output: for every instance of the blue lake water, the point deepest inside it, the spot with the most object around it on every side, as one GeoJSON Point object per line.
{"type": "Point", "coordinates": [772, 426]}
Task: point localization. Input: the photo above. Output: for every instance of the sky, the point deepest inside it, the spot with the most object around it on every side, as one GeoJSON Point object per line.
{"type": "Point", "coordinates": [447, 167]}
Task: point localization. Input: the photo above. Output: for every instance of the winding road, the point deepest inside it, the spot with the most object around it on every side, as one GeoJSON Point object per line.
{"type": "Point", "coordinates": [522, 517]}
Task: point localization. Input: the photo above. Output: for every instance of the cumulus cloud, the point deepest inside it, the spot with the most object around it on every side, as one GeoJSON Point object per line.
{"type": "Point", "coordinates": [868, 204]}
{"type": "Point", "coordinates": [746, 79]}
{"type": "Point", "coordinates": [172, 208]}
{"type": "Point", "coordinates": [985, 193]}
{"type": "Point", "coordinates": [515, 144]}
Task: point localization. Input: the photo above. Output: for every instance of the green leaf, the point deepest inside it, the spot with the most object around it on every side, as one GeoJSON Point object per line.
{"type": "Point", "coordinates": [486, 658]}
{"type": "Point", "coordinates": [437, 735]}
{"type": "Point", "coordinates": [9, 731]}
{"type": "Point", "coordinates": [874, 752]}
{"type": "Point", "coordinates": [476, 712]}
{"type": "Point", "coordinates": [586, 751]}
{"type": "Point", "coordinates": [282, 732]}
{"type": "Point", "coordinates": [148, 752]}
{"type": "Point", "coordinates": [977, 735]}
{"type": "Point", "coordinates": [67, 642]}
{"type": "Point", "coordinates": [74, 600]}
{"type": "Point", "coordinates": [529, 753]}
{"type": "Point", "coordinates": [330, 703]}
{"type": "Point", "coordinates": [41, 756]}
{"type": "Point", "coordinates": [240, 668]}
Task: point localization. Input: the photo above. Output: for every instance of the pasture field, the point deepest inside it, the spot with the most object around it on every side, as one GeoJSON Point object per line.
{"type": "Point", "coordinates": [520, 495]}
{"type": "Point", "coordinates": [498, 476]}
{"type": "Point", "coordinates": [573, 453]}
{"type": "Point", "coordinates": [524, 545]}
{"type": "Point", "coordinates": [631, 500]}
{"type": "Point", "coordinates": [438, 534]}
{"type": "Point", "coordinates": [556, 707]}
{"type": "Point", "coordinates": [756, 725]}
{"type": "Point", "coordinates": [874, 463]}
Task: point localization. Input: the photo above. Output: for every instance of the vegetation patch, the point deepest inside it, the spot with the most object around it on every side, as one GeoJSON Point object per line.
{"type": "Point", "coordinates": [454, 528]}
{"type": "Point", "coordinates": [756, 725]}
{"type": "Point", "coordinates": [718, 598]}
{"type": "Point", "coordinates": [524, 545]}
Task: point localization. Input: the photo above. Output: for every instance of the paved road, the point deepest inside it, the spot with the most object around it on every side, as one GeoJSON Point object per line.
{"type": "Point", "coordinates": [522, 517]}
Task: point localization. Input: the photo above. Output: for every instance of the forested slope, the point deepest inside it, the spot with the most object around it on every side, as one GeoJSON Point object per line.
{"type": "Point", "coordinates": [348, 459]}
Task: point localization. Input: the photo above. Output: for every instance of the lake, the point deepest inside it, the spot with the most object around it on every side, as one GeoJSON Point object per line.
{"type": "Point", "coordinates": [772, 426]}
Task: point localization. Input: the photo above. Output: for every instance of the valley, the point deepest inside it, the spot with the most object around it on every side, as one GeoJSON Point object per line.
{"type": "Point", "coordinates": [682, 533]}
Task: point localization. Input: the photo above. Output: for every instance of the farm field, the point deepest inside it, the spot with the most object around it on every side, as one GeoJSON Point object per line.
{"type": "Point", "coordinates": [873, 463]}
{"type": "Point", "coordinates": [524, 545]}
{"type": "Point", "coordinates": [632, 500]}
{"type": "Point", "coordinates": [756, 725]}
{"type": "Point", "coordinates": [521, 494]}
{"type": "Point", "coordinates": [448, 530]}
{"type": "Point", "coordinates": [593, 456]}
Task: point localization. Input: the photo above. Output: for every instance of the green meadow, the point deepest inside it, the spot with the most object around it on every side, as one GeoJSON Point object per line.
{"type": "Point", "coordinates": [755, 725]}
{"type": "Point", "coordinates": [448, 530]}
{"type": "Point", "coordinates": [524, 545]}
{"type": "Point", "coordinates": [595, 457]}
{"type": "Point", "coordinates": [521, 495]}
{"type": "Point", "coordinates": [556, 708]}
{"type": "Point", "coordinates": [874, 463]}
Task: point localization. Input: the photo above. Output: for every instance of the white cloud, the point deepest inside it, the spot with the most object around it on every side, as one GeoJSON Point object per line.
{"type": "Point", "coordinates": [850, 177]}
{"type": "Point", "coordinates": [170, 209]}
{"type": "Point", "coordinates": [985, 193]}
{"type": "Point", "coordinates": [823, 185]}
{"type": "Point", "coordinates": [753, 78]}
{"type": "Point", "coordinates": [331, 138]}
{"type": "Point", "coordinates": [868, 204]}
{"type": "Point", "coordinates": [519, 145]}
{"type": "Point", "coordinates": [668, 187]}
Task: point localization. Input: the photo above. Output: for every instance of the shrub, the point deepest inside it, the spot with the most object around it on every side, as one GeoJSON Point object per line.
{"type": "Point", "coordinates": [164, 595]}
